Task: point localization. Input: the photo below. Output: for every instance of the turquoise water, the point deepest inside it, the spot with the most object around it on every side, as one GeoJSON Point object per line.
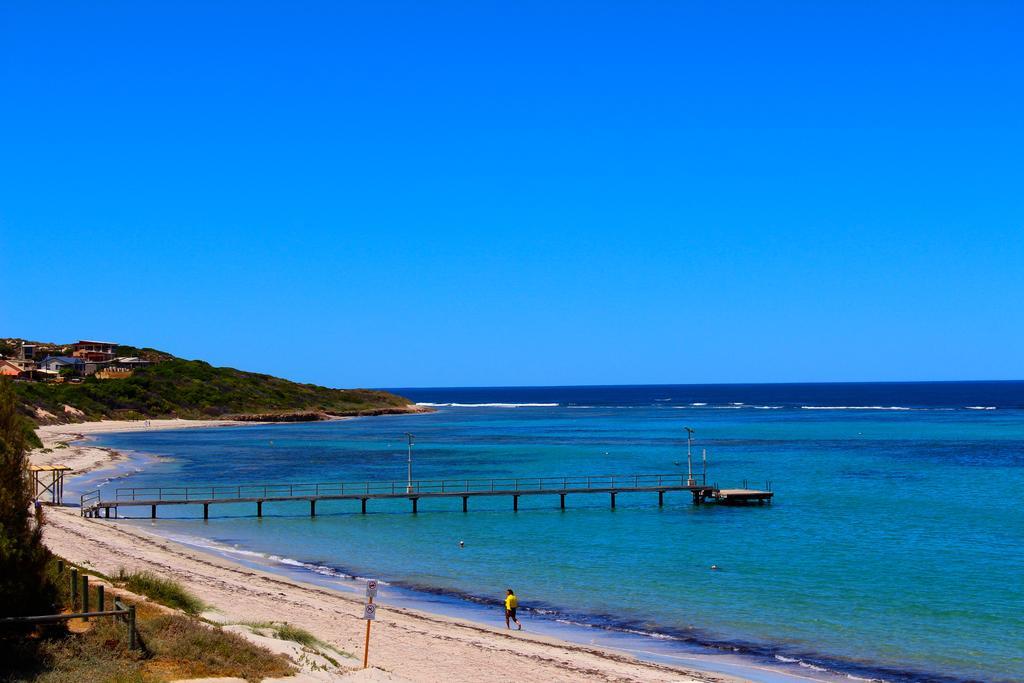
{"type": "Point", "coordinates": [894, 550]}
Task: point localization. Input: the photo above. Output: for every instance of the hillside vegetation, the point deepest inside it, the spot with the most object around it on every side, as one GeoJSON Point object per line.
{"type": "Point", "coordinates": [195, 389]}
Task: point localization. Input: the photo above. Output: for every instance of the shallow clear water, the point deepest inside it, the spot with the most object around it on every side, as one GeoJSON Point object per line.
{"type": "Point", "coordinates": [894, 549]}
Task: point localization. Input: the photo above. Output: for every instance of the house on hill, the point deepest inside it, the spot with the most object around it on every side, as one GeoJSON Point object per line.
{"type": "Point", "coordinates": [9, 369]}
{"type": "Point", "coordinates": [95, 351]}
{"type": "Point", "coordinates": [59, 363]}
{"type": "Point", "coordinates": [129, 363]}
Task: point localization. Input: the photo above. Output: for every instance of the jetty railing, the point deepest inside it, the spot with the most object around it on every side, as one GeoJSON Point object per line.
{"type": "Point", "coordinates": [496, 484]}
{"type": "Point", "coordinates": [400, 488]}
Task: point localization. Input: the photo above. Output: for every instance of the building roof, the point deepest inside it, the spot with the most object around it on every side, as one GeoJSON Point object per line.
{"type": "Point", "coordinates": [48, 468]}
{"type": "Point", "coordinates": [90, 341]}
{"type": "Point", "coordinates": [66, 360]}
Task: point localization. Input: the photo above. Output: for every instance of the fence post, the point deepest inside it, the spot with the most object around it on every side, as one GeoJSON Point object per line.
{"type": "Point", "coordinates": [74, 587]}
{"type": "Point", "coordinates": [101, 603]}
{"type": "Point", "coordinates": [85, 595]}
{"type": "Point", "coordinates": [131, 627]}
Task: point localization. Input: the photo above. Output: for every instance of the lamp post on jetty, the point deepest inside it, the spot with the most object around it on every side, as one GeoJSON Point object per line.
{"type": "Point", "coordinates": [410, 437]}
{"type": "Point", "coordinates": [689, 457]}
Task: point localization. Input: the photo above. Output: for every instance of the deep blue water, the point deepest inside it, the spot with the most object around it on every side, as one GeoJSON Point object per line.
{"type": "Point", "coordinates": [894, 550]}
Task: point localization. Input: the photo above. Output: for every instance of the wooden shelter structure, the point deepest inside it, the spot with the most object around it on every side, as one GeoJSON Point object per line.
{"type": "Point", "coordinates": [55, 487]}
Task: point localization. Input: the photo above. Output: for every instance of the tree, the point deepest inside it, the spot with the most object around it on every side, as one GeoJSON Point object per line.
{"type": "Point", "coordinates": [24, 583]}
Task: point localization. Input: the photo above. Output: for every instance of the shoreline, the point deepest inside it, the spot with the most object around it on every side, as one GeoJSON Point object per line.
{"type": "Point", "coordinates": [638, 647]}
{"type": "Point", "coordinates": [431, 647]}
{"type": "Point", "coordinates": [409, 643]}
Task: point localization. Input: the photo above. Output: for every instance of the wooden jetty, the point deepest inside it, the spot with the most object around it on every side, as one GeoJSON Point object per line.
{"type": "Point", "coordinates": [741, 496]}
{"type": "Point", "coordinates": [93, 505]}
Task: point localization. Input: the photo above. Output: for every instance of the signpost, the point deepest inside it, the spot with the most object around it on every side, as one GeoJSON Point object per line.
{"type": "Point", "coordinates": [370, 614]}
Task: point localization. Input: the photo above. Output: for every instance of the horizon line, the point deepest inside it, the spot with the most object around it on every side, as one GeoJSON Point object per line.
{"type": "Point", "coordinates": [702, 384]}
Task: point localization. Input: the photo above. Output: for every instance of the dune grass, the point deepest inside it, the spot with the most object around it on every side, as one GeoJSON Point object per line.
{"type": "Point", "coordinates": [173, 646]}
{"type": "Point", "coordinates": [165, 591]}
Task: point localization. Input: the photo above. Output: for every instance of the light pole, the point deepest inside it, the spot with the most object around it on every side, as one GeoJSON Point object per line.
{"type": "Point", "coordinates": [410, 437]}
{"type": "Point", "coordinates": [689, 457]}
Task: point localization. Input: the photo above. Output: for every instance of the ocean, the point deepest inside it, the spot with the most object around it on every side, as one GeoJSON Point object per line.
{"type": "Point", "coordinates": [894, 549]}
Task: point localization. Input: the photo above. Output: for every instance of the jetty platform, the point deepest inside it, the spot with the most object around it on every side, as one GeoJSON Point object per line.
{"type": "Point", "coordinates": [93, 504]}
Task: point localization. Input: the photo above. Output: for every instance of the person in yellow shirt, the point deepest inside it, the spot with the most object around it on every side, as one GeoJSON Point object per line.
{"type": "Point", "coordinates": [511, 603]}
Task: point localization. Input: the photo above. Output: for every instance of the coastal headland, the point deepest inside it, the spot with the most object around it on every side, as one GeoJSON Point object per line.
{"type": "Point", "coordinates": [410, 644]}
{"type": "Point", "coordinates": [89, 381]}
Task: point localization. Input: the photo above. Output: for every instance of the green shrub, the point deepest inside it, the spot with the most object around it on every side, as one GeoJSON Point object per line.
{"type": "Point", "coordinates": [25, 582]}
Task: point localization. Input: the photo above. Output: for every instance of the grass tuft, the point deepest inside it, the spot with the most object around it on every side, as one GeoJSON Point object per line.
{"type": "Point", "coordinates": [165, 591]}
{"type": "Point", "coordinates": [286, 631]}
{"type": "Point", "coordinates": [297, 635]}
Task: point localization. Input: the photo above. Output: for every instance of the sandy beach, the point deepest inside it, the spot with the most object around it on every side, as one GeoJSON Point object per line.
{"type": "Point", "coordinates": [63, 444]}
{"type": "Point", "coordinates": [407, 644]}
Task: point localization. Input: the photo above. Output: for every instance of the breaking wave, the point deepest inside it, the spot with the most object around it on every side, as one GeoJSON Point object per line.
{"type": "Point", "coordinates": [854, 408]}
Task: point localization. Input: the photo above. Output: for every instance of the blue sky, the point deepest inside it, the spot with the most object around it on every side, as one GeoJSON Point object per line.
{"type": "Point", "coordinates": [479, 193]}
